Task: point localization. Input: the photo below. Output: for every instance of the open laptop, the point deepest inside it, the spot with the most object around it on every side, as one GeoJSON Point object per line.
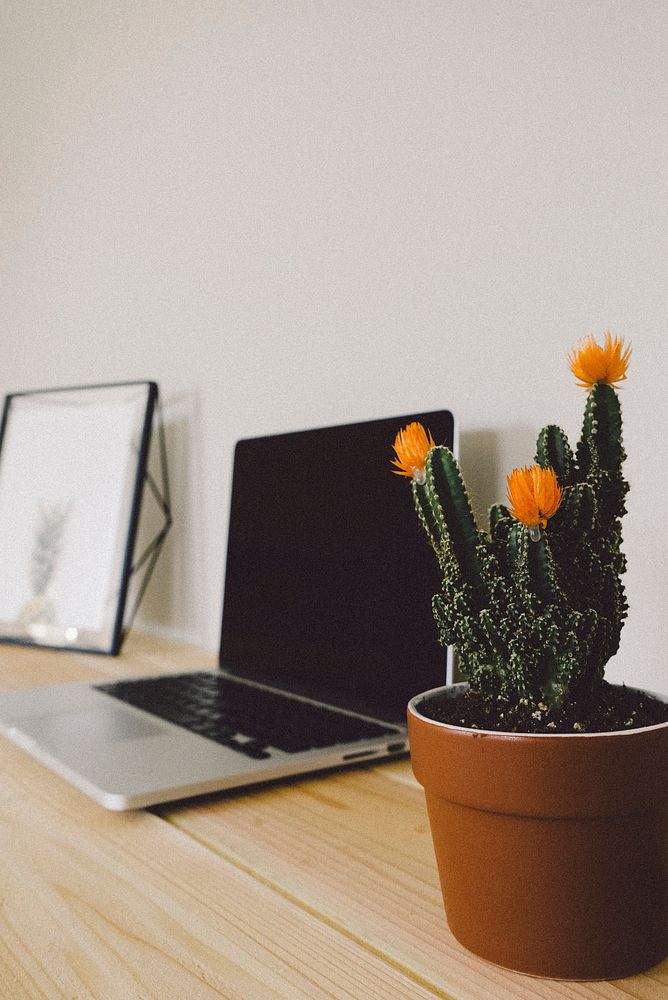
{"type": "Point", "coordinates": [326, 634]}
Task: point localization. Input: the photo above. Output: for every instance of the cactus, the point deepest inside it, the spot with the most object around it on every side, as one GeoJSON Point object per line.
{"type": "Point", "coordinates": [535, 605]}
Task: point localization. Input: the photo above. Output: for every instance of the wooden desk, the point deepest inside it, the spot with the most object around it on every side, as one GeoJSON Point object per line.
{"type": "Point", "coordinates": [314, 889]}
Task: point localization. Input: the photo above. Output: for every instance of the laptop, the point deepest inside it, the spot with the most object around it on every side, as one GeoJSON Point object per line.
{"type": "Point", "coordinates": [326, 634]}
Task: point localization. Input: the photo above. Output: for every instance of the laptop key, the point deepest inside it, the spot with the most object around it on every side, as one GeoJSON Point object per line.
{"type": "Point", "coordinates": [246, 718]}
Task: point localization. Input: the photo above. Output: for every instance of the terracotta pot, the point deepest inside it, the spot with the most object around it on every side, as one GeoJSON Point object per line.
{"type": "Point", "coordinates": [552, 850]}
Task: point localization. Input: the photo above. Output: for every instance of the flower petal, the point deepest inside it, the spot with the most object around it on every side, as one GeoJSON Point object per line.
{"type": "Point", "coordinates": [592, 362]}
{"type": "Point", "coordinates": [534, 495]}
{"type": "Point", "coordinates": [411, 446]}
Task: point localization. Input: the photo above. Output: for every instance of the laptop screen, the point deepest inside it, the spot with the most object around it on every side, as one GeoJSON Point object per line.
{"type": "Point", "coordinates": [329, 575]}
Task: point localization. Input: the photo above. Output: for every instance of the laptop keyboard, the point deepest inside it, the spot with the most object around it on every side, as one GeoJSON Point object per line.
{"type": "Point", "coordinates": [246, 718]}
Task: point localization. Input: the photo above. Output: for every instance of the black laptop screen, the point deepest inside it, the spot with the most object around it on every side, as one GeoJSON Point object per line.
{"type": "Point", "coordinates": [329, 575]}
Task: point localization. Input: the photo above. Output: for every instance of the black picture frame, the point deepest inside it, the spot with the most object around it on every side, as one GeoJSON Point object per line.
{"type": "Point", "coordinates": [73, 464]}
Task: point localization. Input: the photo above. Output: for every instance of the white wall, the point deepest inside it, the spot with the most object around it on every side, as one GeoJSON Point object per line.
{"type": "Point", "coordinates": [298, 213]}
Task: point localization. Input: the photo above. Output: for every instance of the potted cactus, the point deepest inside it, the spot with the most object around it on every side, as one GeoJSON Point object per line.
{"type": "Point", "coordinates": [545, 785]}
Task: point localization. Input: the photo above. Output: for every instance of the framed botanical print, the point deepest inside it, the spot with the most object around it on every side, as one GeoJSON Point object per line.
{"type": "Point", "coordinates": [72, 469]}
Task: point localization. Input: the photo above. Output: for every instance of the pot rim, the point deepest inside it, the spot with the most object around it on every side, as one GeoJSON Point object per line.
{"type": "Point", "coordinates": [413, 709]}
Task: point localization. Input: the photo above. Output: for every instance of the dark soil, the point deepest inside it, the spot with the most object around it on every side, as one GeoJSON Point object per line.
{"type": "Point", "coordinates": [613, 709]}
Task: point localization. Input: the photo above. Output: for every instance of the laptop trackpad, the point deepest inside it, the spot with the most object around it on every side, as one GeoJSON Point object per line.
{"type": "Point", "coordinates": [88, 727]}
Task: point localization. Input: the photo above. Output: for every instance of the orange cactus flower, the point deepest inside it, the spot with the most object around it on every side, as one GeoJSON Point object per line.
{"type": "Point", "coordinates": [411, 446]}
{"type": "Point", "coordinates": [592, 363]}
{"type": "Point", "coordinates": [534, 495]}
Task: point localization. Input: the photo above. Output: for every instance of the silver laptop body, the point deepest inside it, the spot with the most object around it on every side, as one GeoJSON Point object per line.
{"type": "Point", "coordinates": [327, 604]}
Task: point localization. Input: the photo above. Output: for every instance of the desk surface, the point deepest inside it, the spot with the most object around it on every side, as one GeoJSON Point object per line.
{"type": "Point", "coordinates": [312, 889]}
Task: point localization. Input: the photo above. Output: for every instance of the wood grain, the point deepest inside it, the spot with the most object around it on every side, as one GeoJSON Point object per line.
{"type": "Point", "coordinates": [355, 848]}
{"type": "Point", "coordinates": [31, 666]}
{"type": "Point", "coordinates": [315, 888]}
{"type": "Point", "coordinates": [126, 906]}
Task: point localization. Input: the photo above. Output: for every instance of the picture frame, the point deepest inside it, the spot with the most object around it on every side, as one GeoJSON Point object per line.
{"type": "Point", "coordinates": [73, 464]}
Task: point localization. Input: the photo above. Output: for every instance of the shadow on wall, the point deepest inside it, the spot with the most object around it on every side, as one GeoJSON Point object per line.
{"type": "Point", "coordinates": [173, 600]}
{"type": "Point", "coordinates": [179, 601]}
{"type": "Point", "coordinates": [158, 599]}
{"type": "Point", "coordinates": [486, 457]}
